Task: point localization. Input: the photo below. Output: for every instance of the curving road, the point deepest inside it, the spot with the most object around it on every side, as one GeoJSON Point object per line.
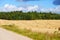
{"type": "Point", "coordinates": [8, 35]}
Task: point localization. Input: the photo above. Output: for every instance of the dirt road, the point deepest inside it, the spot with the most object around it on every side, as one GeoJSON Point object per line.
{"type": "Point", "coordinates": [8, 35]}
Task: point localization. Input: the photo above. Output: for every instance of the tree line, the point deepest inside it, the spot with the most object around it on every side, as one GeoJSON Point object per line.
{"type": "Point", "coordinates": [19, 15]}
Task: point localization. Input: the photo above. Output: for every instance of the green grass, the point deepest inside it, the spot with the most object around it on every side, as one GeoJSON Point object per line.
{"type": "Point", "coordinates": [33, 35]}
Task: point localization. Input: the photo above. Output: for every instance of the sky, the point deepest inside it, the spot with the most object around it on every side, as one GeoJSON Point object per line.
{"type": "Point", "coordinates": [30, 5]}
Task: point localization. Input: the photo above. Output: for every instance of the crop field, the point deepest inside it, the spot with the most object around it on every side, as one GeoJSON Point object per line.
{"type": "Point", "coordinates": [49, 26]}
{"type": "Point", "coordinates": [31, 34]}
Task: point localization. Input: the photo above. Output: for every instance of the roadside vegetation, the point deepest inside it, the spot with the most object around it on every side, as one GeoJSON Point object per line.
{"type": "Point", "coordinates": [31, 34]}
{"type": "Point", "coordinates": [19, 15]}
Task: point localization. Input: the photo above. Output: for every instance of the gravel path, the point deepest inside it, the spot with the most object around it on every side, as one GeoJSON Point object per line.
{"type": "Point", "coordinates": [8, 35]}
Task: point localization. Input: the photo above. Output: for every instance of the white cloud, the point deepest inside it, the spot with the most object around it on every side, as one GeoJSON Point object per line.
{"type": "Point", "coordinates": [9, 7]}
{"type": "Point", "coordinates": [54, 10]}
{"type": "Point", "coordinates": [32, 8]}
{"type": "Point", "coordinates": [47, 9]}
{"type": "Point", "coordinates": [57, 9]}
{"type": "Point", "coordinates": [20, 8]}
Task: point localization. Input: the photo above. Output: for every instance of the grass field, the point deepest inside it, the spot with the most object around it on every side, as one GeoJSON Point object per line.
{"type": "Point", "coordinates": [31, 34]}
{"type": "Point", "coordinates": [35, 29]}
{"type": "Point", "coordinates": [35, 25]}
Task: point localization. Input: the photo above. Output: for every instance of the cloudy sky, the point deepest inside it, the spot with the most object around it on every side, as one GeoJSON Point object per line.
{"type": "Point", "coordinates": [30, 5]}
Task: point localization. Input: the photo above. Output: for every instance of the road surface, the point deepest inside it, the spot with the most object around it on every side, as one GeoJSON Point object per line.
{"type": "Point", "coordinates": [8, 35]}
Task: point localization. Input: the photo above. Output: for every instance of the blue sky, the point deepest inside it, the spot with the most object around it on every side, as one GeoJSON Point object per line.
{"type": "Point", "coordinates": [44, 4]}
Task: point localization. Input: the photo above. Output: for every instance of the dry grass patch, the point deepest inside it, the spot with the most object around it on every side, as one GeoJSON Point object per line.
{"type": "Point", "coordinates": [35, 25]}
{"type": "Point", "coordinates": [31, 34]}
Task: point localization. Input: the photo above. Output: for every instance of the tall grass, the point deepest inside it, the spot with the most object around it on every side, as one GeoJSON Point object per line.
{"type": "Point", "coordinates": [33, 35]}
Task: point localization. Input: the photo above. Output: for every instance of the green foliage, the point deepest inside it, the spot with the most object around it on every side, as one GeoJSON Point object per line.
{"type": "Point", "coordinates": [19, 15]}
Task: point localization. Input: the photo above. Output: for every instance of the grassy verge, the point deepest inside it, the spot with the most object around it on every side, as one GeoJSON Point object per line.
{"type": "Point", "coordinates": [33, 35]}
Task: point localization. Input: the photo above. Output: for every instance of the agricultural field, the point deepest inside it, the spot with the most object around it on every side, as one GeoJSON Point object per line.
{"type": "Point", "coordinates": [35, 29]}
{"type": "Point", "coordinates": [35, 25]}
{"type": "Point", "coordinates": [49, 26]}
